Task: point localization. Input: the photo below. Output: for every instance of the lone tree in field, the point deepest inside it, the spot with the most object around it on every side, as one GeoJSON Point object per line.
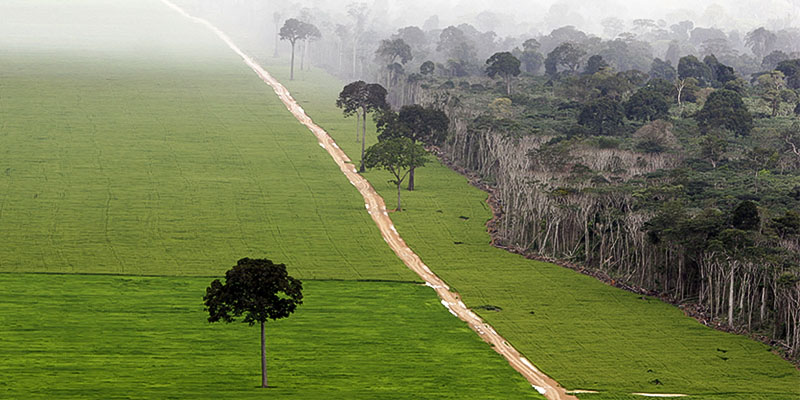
{"type": "Point", "coordinates": [257, 289]}
{"type": "Point", "coordinates": [505, 65]}
{"type": "Point", "coordinates": [399, 156]}
{"type": "Point", "coordinates": [362, 98]}
{"type": "Point", "coordinates": [295, 30]}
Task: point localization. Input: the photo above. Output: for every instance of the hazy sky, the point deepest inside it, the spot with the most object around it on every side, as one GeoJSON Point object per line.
{"type": "Point", "coordinates": [587, 14]}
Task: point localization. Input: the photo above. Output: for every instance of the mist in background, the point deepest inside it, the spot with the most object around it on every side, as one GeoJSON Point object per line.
{"type": "Point", "coordinates": [513, 17]}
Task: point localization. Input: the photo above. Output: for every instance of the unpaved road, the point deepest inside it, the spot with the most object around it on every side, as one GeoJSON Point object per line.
{"type": "Point", "coordinates": [377, 209]}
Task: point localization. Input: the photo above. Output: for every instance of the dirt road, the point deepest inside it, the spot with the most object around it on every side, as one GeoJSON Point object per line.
{"type": "Point", "coordinates": [377, 209]}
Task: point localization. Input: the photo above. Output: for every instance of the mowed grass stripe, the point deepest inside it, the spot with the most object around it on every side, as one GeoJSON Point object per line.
{"type": "Point", "coordinates": [139, 337]}
{"type": "Point", "coordinates": [582, 332]}
{"type": "Point", "coordinates": [164, 163]}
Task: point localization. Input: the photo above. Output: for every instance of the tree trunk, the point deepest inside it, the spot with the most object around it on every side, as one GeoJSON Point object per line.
{"type": "Point", "coordinates": [303, 56]}
{"type": "Point", "coordinates": [508, 86]}
{"type": "Point", "coordinates": [363, 138]}
{"type": "Point", "coordinates": [339, 53]}
{"type": "Point", "coordinates": [291, 73]}
{"type": "Point", "coordinates": [411, 179]}
{"type": "Point", "coordinates": [277, 41]}
{"type": "Point", "coordinates": [755, 180]}
{"type": "Point", "coordinates": [358, 124]}
{"type": "Point", "coordinates": [263, 358]}
{"type": "Point", "coordinates": [587, 257]}
{"type": "Point", "coordinates": [730, 300]}
{"type": "Point", "coordinates": [306, 54]}
{"type": "Point", "coordinates": [399, 207]}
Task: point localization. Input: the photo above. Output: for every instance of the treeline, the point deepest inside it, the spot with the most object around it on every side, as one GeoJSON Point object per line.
{"type": "Point", "coordinates": [697, 201]}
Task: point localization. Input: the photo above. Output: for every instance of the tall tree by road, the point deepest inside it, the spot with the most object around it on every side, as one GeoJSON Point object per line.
{"type": "Point", "coordinates": [399, 156]}
{"type": "Point", "coordinates": [294, 30]}
{"type": "Point", "coordinates": [364, 98]}
{"type": "Point", "coordinates": [257, 289]}
{"type": "Point", "coordinates": [505, 65]}
{"type": "Point", "coordinates": [420, 124]}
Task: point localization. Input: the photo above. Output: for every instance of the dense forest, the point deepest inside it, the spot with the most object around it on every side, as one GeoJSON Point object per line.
{"type": "Point", "coordinates": [664, 155]}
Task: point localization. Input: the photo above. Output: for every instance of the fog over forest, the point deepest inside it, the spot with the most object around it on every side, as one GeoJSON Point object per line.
{"type": "Point", "coordinates": [513, 17]}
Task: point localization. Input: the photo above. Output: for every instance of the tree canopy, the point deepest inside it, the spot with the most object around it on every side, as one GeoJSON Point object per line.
{"type": "Point", "coordinates": [456, 45]}
{"type": "Point", "coordinates": [359, 96]}
{"type": "Point", "coordinates": [603, 116]}
{"type": "Point", "coordinates": [745, 216]}
{"type": "Point", "coordinates": [362, 98]}
{"type": "Point", "coordinates": [760, 41]}
{"type": "Point", "coordinates": [257, 290]}
{"type": "Point", "coordinates": [663, 70]}
{"type": "Point", "coordinates": [691, 67]}
{"type": "Point", "coordinates": [567, 55]}
{"type": "Point", "coordinates": [420, 124]}
{"type": "Point", "coordinates": [398, 155]}
{"type": "Point", "coordinates": [772, 86]}
{"type": "Point", "coordinates": [505, 65]}
{"type": "Point", "coordinates": [392, 49]}
{"type": "Point", "coordinates": [646, 104]}
{"type": "Point", "coordinates": [594, 64]}
{"type": "Point", "coordinates": [294, 30]}
{"type": "Point", "coordinates": [791, 70]}
{"type": "Point", "coordinates": [725, 109]}
{"type": "Point", "coordinates": [720, 73]}
{"type": "Point", "coordinates": [427, 68]}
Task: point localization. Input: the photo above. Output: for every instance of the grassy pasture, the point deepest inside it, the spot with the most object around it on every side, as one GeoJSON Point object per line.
{"type": "Point", "coordinates": [143, 163]}
{"type": "Point", "coordinates": [139, 337]}
{"type": "Point", "coordinates": [133, 142]}
{"type": "Point", "coordinates": [583, 333]}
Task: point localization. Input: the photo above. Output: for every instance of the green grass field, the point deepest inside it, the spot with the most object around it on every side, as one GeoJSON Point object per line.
{"type": "Point", "coordinates": [134, 337]}
{"type": "Point", "coordinates": [582, 332]}
{"type": "Point", "coordinates": [149, 164]}
{"type": "Point", "coordinates": [133, 142]}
